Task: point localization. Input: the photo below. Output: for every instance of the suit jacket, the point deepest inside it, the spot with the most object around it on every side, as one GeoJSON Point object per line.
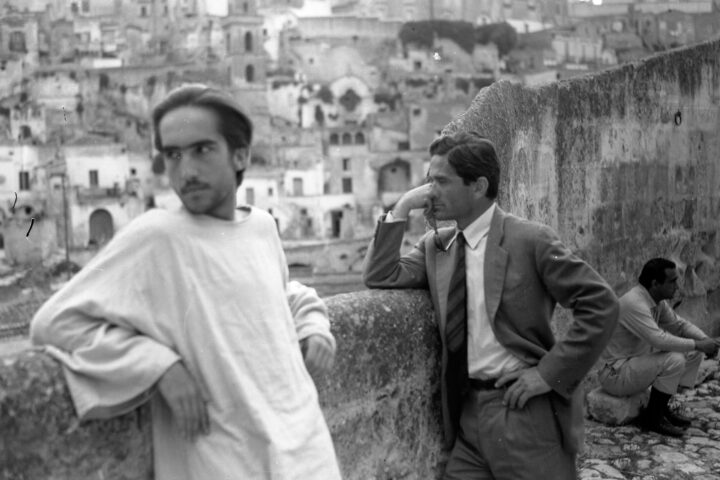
{"type": "Point", "coordinates": [527, 272]}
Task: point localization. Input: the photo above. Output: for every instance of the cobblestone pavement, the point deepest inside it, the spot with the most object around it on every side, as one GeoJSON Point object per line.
{"type": "Point", "coordinates": [626, 452]}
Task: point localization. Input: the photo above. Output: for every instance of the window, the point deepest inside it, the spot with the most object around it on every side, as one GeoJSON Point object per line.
{"type": "Point", "coordinates": [334, 139]}
{"type": "Point", "coordinates": [143, 12]}
{"type": "Point", "coordinates": [250, 196]}
{"type": "Point", "coordinates": [17, 42]}
{"type": "Point", "coordinates": [245, 7]}
{"type": "Point", "coordinates": [24, 180]}
{"type": "Point", "coordinates": [404, 145]}
{"type": "Point", "coordinates": [297, 187]}
{"type": "Point", "coordinates": [94, 178]}
{"type": "Point", "coordinates": [248, 42]}
{"type": "Point", "coordinates": [74, 7]}
{"type": "Point", "coordinates": [85, 6]}
{"type": "Point", "coordinates": [271, 192]}
{"type": "Point", "coordinates": [347, 185]}
{"type": "Point", "coordinates": [249, 74]}
{"type": "Point", "coordinates": [346, 164]}
{"type": "Point", "coordinates": [346, 139]}
{"type": "Point", "coordinates": [359, 138]}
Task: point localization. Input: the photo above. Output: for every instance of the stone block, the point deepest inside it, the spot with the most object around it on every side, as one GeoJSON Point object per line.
{"type": "Point", "coordinates": [612, 410]}
{"type": "Point", "coordinates": [708, 367]}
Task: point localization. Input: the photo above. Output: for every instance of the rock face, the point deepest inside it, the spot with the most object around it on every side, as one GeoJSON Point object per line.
{"type": "Point", "coordinates": [612, 410]}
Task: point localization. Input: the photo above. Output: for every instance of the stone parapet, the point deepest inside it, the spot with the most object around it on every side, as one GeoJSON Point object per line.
{"type": "Point", "coordinates": [612, 410]}
{"type": "Point", "coordinates": [381, 403]}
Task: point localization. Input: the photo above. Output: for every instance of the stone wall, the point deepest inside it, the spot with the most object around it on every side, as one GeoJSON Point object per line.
{"type": "Point", "coordinates": [381, 404]}
{"type": "Point", "coordinates": [623, 163]}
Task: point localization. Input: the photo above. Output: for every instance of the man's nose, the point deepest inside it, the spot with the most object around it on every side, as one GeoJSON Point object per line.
{"type": "Point", "coordinates": [188, 168]}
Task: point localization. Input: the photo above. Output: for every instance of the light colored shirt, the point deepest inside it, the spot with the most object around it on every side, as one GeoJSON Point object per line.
{"type": "Point", "coordinates": [173, 285]}
{"type": "Point", "coordinates": [487, 358]}
{"type": "Point", "coordinates": [645, 326]}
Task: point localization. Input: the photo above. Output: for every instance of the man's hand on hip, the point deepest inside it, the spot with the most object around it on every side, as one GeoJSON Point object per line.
{"type": "Point", "coordinates": [186, 403]}
{"type": "Point", "coordinates": [318, 354]}
{"type": "Point", "coordinates": [528, 383]}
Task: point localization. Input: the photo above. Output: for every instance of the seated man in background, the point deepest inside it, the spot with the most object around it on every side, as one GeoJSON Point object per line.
{"type": "Point", "coordinates": [653, 346]}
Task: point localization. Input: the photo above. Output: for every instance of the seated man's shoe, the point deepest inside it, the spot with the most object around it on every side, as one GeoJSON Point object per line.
{"type": "Point", "coordinates": [659, 425]}
{"type": "Point", "coordinates": [678, 419]}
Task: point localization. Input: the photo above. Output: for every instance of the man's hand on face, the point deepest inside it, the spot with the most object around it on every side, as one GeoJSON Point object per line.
{"type": "Point", "coordinates": [528, 383]}
{"type": "Point", "coordinates": [318, 354]}
{"type": "Point", "coordinates": [186, 403]}
{"type": "Point", "coordinates": [708, 346]}
{"type": "Point", "coordinates": [418, 197]}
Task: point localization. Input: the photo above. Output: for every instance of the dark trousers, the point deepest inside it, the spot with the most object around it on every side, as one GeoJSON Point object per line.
{"type": "Point", "coordinates": [498, 443]}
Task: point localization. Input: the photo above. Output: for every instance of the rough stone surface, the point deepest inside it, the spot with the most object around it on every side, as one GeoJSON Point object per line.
{"type": "Point", "coordinates": [625, 452]}
{"type": "Point", "coordinates": [41, 438]}
{"type": "Point", "coordinates": [612, 410]}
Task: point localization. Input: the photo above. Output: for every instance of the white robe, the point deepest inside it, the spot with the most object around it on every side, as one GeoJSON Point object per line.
{"type": "Point", "coordinates": [173, 285]}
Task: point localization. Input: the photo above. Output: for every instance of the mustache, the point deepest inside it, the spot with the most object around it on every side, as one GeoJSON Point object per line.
{"type": "Point", "coordinates": [190, 186]}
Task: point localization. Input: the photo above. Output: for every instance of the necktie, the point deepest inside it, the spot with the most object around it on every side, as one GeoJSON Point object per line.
{"type": "Point", "coordinates": [456, 373]}
{"type": "Point", "coordinates": [456, 326]}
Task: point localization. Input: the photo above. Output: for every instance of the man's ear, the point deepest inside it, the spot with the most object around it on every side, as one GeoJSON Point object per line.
{"type": "Point", "coordinates": [241, 158]}
{"type": "Point", "coordinates": [481, 186]}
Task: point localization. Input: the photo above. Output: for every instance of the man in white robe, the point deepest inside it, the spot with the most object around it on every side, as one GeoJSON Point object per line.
{"type": "Point", "coordinates": [192, 310]}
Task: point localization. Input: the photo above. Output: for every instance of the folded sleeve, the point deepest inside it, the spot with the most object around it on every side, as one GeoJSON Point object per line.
{"type": "Point", "coordinates": [100, 327]}
{"type": "Point", "coordinates": [309, 312]}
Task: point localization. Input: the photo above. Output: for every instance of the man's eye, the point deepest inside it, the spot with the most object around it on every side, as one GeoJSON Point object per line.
{"type": "Point", "coordinates": [203, 149]}
{"type": "Point", "coordinates": [173, 155]}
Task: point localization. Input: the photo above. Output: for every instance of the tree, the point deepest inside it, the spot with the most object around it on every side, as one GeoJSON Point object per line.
{"type": "Point", "coordinates": [501, 34]}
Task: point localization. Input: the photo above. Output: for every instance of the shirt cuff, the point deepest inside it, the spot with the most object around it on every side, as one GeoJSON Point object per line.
{"type": "Point", "coordinates": [390, 218]}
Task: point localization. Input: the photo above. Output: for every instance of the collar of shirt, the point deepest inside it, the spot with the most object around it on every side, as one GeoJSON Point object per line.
{"type": "Point", "coordinates": [479, 228]}
{"type": "Point", "coordinates": [645, 295]}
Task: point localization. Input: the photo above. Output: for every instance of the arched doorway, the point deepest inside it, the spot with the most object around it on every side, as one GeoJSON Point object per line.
{"type": "Point", "coordinates": [101, 227]}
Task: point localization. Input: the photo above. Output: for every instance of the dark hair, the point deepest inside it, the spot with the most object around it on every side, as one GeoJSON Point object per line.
{"type": "Point", "coordinates": [235, 127]}
{"type": "Point", "coordinates": [654, 270]}
{"type": "Point", "coordinates": [472, 156]}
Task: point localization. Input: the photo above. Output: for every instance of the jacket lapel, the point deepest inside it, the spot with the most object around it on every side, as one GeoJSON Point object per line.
{"type": "Point", "coordinates": [495, 264]}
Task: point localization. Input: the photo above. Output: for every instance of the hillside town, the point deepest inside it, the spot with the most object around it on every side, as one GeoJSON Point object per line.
{"type": "Point", "coordinates": [345, 95]}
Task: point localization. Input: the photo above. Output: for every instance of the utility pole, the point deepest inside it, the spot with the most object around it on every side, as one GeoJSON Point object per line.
{"type": "Point", "coordinates": [67, 235]}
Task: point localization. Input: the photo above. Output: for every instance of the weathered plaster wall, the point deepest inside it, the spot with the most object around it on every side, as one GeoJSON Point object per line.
{"type": "Point", "coordinates": [625, 164]}
{"type": "Point", "coordinates": [381, 404]}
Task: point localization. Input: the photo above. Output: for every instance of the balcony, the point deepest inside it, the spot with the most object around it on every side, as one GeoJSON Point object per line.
{"type": "Point", "coordinates": [95, 194]}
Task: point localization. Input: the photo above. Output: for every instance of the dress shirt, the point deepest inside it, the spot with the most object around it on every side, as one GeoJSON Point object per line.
{"type": "Point", "coordinates": [487, 358]}
{"type": "Point", "coordinates": [645, 327]}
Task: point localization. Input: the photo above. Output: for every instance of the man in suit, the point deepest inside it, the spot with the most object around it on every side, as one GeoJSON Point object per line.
{"type": "Point", "coordinates": [511, 408]}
